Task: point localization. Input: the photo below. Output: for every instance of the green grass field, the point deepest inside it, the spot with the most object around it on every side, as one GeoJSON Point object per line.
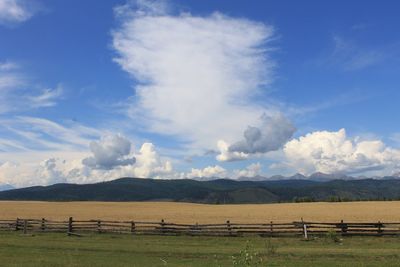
{"type": "Point", "coordinates": [125, 250]}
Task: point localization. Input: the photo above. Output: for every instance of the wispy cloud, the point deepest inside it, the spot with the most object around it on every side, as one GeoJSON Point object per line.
{"type": "Point", "coordinates": [11, 145]}
{"type": "Point", "coordinates": [17, 93]}
{"type": "Point", "coordinates": [42, 134]}
{"type": "Point", "coordinates": [47, 98]}
{"type": "Point", "coordinates": [8, 65]}
{"type": "Point", "coordinates": [359, 26]}
{"type": "Point", "coordinates": [396, 138]}
{"type": "Point", "coordinates": [352, 56]}
{"type": "Point", "coordinates": [16, 11]}
{"type": "Point", "coordinates": [348, 98]}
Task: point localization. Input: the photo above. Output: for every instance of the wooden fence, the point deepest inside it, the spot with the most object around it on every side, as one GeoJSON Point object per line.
{"type": "Point", "coordinates": [300, 228]}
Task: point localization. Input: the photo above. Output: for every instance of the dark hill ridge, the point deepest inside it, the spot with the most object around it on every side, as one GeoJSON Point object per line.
{"type": "Point", "coordinates": [214, 191]}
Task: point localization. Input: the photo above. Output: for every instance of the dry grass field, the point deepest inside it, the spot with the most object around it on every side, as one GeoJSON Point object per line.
{"type": "Point", "coordinates": [192, 213]}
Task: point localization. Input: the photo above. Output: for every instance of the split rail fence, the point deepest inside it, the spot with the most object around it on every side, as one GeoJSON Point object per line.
{"type": "Point", "coordinates": [300, 228]}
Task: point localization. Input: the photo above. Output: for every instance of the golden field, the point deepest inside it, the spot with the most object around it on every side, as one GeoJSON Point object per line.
{"type": "Point", "coordinates": [202, 213]}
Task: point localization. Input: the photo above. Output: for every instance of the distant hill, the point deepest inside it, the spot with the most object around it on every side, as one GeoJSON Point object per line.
{"type": "Point", "coordinates": [214, 191]}
{"type": "Point", "coordinates": [4, 187]}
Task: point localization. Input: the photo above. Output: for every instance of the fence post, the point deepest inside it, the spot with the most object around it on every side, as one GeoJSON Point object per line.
{"type": "Point", "coordinates": [304, 226]}
{"type": "Point", "coordinates": [305, 231]}
{"type": "Point", "coordinates": [99, 226]}
{"type": "Point", "coordinates": [380, 228]}
{"type": "Point", "coordinates": [228, 224]}
{"type": "Point", "coordinates": [271, 228]}
{"type": "Point", "coordinates": [43, 224]}
{"type": "Point", "coordinates": [25, 226]}
{"type": "Point", "coordinates": [133, 227]}
{"type": "Point", "coordinates": [16, 224]}
{"type": "Point", "coordinates": [162, 226]}
{"type": "Point", "coordinates": [70, 229]}
{"type": "Point", "coordinates": [343, 227]}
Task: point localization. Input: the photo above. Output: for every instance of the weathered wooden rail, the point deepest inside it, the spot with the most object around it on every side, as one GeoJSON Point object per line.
{"type": "Point", "coordinates": [299, 228]}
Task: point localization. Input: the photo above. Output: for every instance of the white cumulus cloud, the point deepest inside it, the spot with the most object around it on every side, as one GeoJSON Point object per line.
{"type": "Point", "coordinates": [208, 172]}
{"type": "Point", "coordinates": [271, 135]}
{"type": "Point", "coordinates": [109, 152]}
{"type": "Point", "coordinates": [150, 164]}
{"type": "Point", "coordinates": [252, 170]}
{"type": "Point", "coordinates": [226, 155]}
{"type": "Point", "coordinates": [49, 171]}
{"type": "Point", "coordinates": [334, 152]}
{"type": "Point", "coordinates": [274, 132]}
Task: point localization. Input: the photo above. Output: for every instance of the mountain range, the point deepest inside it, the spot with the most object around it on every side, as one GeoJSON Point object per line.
{"type": "Point", "coordinates": [318, 176]}
{"type": "Point", "coordinates": [217, 191]}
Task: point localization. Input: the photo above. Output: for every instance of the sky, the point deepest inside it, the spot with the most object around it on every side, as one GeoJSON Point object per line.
{"type": "Point", "coordinates": [96, 90]}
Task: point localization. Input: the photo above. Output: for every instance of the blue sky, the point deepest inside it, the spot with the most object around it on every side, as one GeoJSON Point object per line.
{"type": "Point", "coordinates": [95, 90]}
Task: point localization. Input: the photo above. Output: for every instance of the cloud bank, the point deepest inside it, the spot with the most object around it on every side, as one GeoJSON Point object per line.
{"type": "Point", "coordinates": [111, 157]}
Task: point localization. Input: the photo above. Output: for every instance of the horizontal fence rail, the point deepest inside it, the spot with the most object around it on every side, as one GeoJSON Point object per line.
{"type": "Point", "coordinates": [299, 228]}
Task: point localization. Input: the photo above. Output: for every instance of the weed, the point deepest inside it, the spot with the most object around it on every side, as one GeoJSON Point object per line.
{"type": "Point", "coordinates": [248, 257]}
{"type": "Point", "coordinates": [270, 247]}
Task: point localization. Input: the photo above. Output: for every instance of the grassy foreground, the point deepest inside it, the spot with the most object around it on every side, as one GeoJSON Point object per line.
{"type": "Point", "coordinates": [124, 250]}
